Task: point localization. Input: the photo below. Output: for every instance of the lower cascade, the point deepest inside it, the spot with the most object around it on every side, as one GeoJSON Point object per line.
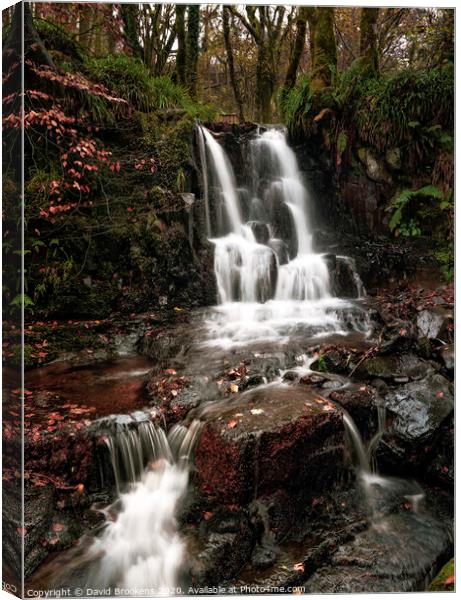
{"type": "Point", "coordinates": [140, 549]}
{"type": "Point", "coordinates": [271, 284]}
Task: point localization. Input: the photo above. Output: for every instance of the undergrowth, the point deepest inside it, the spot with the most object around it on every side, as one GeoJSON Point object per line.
{"type": "Point", "coordinates": [130, 79]}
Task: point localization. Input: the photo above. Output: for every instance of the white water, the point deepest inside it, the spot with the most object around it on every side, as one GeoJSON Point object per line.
{"type": "Point", "coordinates": [379, 491]}
{"type": "Point", "coordinates": [141, 547]}
{"type": "Point", "coordinates": [262, 295]}
{"type": "Point", "coordinates": [225, 177]}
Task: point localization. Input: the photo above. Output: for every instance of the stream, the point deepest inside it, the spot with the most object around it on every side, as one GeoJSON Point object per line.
{"type": "Point", "coordinates": [277, 299]}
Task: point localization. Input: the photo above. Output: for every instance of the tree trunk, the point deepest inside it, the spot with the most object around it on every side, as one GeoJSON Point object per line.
{"type": "Point", "coordinates": [324, 58]}
{"type": "Point", "coordinates": [34, 49]}
{"type": "Point", "coordinates": [265, 85]}
{"type": "Point", "coordinates": [298, 48]}
{"type": "Point", "coordinates": [130, 16]}
{"type": "Point", "coordinates": [230, 64]}
{"type": "Point", "coordinates": [369, 54]}
{"type": "Point", "coordinates": [84, 33]}
{"type": "Point", "coordinates": [311, 15]}
{"type": "Point", "coordinates": [192, 49]}
{"type": "Point", "coordinates": [181, 37]}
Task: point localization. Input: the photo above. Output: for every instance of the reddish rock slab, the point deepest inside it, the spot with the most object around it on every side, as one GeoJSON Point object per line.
{"type": "Point", "coordinates": [273, 437]}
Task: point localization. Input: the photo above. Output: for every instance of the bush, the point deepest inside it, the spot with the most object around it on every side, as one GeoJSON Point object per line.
{"type": "Point", "coordinates": [404, 108]}
{"type": "Point", "coordinates": [130, 79]}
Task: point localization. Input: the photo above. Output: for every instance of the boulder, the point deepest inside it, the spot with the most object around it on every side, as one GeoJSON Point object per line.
{"type": "Point", "coordinates": [400, 368]}
{"type": "Point", "coordinates": [267, 439]}
{"type": "Point", "coordinates": [434, 322]}
{"type": "Point", "coordinates": [260, 231]}
{"type": "Point", "coordinates": [374, 166]}
{"type": "Point", "coordinates": [398, 554]}
{"type": "Point", "coordinates": [394, 159]}
{"type": "Point", "coordinates": [447, 354]}
{"type": "Point", "coordinates": [420, 407]}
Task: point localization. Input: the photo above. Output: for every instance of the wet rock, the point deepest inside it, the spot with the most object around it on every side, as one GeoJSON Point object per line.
{"type": "Point", "coordinates": [420, 407]}
{"type": "Point", "coordinates": [380, 386]}
{"type": "Point", "coordinates": [165, 343]}
{"type": "Point", "coordinates": [223, 550]}
{"type": "Point", "coordinates": [439, 465]}
{"type": "Point", "coordinates": [394, 159]}
{"type": "Point", "coordinates": [361, 403]}
{"type": "Point", "coordinates": [447, 354]}
{"type": "Point", "coordinates": [345, 279]}
{"type": "Point", "coordinates": [312, 379]}
{"type": "Point", "coordinates": [332, 384]}
{"type": "Point", "coordinates": [267, 439]}
{"type": "Point", "coordinates": [260, 231]}
{"type": "Point", "coordinates": [11, 527]}
{"type": "Point", "coordinates": [331, 361]}
{"type": "Point", "coordinates": [175, 396]}
{"type": "Point", "coordinates": [398, 554]}
{"type": "Point", "coordinates": [38, 507]}
{"type": "Point", "coordinates": [393, 367]}
{"type": "Point", "coordinates": [279, 512]}
{"type": "Point", "coordinates": [291, 376]}
{"type": "Point", "coordinates": [398, 337]}
{"type": "Point", "coordinates": [263, 557]}
{"type": "Point", "coordinates": [374, 166]}
{"type": "Point", "coordinates": [434, 323]}
{"type": "Point", "coordinates": [281, 250]}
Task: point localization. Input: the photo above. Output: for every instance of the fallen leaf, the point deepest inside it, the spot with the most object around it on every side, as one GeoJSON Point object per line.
{"type": "Point", "coordinates": [207, 515]}
{"type": "Point", "coordinates": [231, 424]}
{"type": "Point", "coordinates": [234, 388]}
{"type": "Point", "coordinates": [57, 527]}
{"type": "Point", "coordinates": [449, 581]}
{"type": "Point", "coordinates": [299, 567]}
{"type": "Point", "coordinates": [170, 372]}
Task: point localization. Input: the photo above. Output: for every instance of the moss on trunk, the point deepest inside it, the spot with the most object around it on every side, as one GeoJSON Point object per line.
{"type": "Point", "coordinates": [324, 51]}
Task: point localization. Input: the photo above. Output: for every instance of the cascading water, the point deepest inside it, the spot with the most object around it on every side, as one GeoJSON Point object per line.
{"type": "Point", "coordinates": [140, 548]}
{"type": "Point", "coordinates": [263, 295]}
{"type": "Point", "coordinates": [378, 491]}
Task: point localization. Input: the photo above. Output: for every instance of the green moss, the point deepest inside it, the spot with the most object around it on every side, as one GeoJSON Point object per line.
{"type": "Point", "coordinates": [438, 583]}
{"type": "Point", "coordinates": [56, 39]}
{"type": "Point", "coordinates": [173, 153]}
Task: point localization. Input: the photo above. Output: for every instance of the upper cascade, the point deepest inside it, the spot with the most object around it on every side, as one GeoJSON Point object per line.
{"type": "Point", "coordinates": [263, 237]}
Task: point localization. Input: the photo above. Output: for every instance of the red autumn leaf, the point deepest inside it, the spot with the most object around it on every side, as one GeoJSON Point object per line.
{"type": "Point", "coordinates": [449, 581]}
{"type": "Point", "coordinates": [207, 515]}
{"type": "Point", "coordinates": [58, 527]}
{"type": "Point", "coordinates": [299, 567]}
{"type": "Point", "coordinates": [231, 424]}
{"type": "Point", "coordinates": [170, 372]}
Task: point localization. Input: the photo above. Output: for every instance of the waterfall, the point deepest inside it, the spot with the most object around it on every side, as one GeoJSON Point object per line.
{"type": "Point", "coordinates": [379, 492]}
{"type": "Point", "coordinates": [225, 178]}
{"type": "Point", "coordinates": [204, 165]}
{"type": "Point", "coordinates": [271, 284]}
{"type": "Point", "coordinates": [141, 547]}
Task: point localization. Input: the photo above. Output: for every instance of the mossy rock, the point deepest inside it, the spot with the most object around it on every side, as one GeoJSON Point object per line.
{"type": "Point", "coordinates": [444, 581]}
{"type": "Point", "coordinates": [55, 38]}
